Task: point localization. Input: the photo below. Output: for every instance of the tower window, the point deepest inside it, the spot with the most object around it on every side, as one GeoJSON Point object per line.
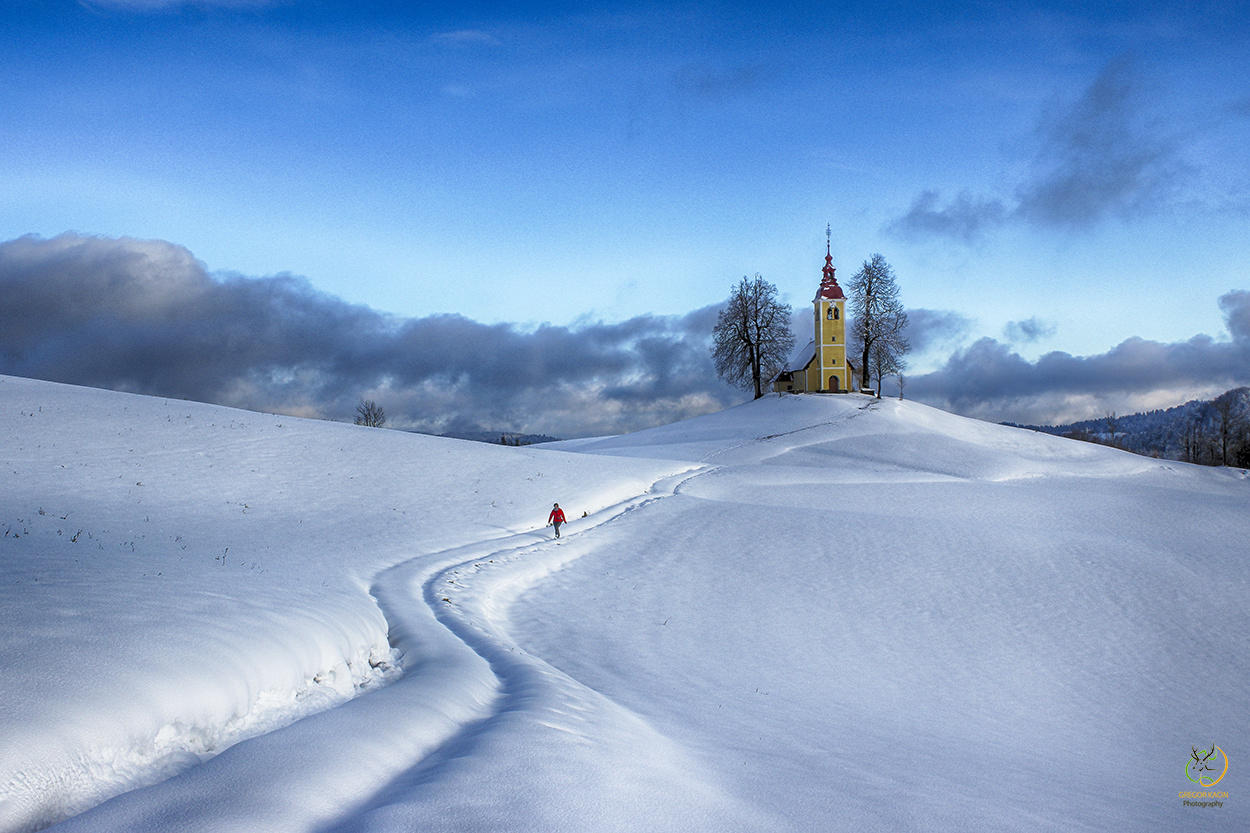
{"type": "Point", "coordinates": [835, 313]}
{"type": "Point", "coordinates": [832, 314]}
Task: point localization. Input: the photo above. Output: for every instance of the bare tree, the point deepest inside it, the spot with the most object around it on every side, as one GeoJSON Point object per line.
{"type": "Point", "coordinates": [877, 313]}
{"type": "Point", "coordinates": [370, 413]}
{"type": "Point", "coordinates": [1192, 441]}
{"type": "Point", "coordinates": [1113, 425]}
{"type": "Point", "coordinates": [885, 358]}
{"type": "Point", "coordinates": [1203, 439]}
{"type": "Point", "coordinates": [1227, 423]}
{"type": "Point", "coordinates": [752, 339]}
{"type": "Point", "coordinates": [1242, 458]}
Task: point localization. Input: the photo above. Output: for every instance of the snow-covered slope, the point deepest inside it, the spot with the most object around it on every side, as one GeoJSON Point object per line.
{"type": "Point", "coordinates": [805, 613]}
{"type": "Point", "coordinates": [873, 615]}
{"type": "Point", "coordinates": [177, 576]}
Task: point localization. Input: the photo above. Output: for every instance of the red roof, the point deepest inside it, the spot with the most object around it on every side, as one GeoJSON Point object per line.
{"type": "Point", "coordinates": [829, 289]}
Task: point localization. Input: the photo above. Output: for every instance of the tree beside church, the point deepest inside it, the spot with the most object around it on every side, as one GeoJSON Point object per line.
{"type": "Point", "coordinates": [879, 320]}
{"type": "Point", "coordinates": [752, 336]}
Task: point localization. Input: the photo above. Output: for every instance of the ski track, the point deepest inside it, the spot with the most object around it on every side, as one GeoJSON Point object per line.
{"type": "Point", "coordinates": [469, 590]}
{"type": "Point", "coordinates": [458, 673]}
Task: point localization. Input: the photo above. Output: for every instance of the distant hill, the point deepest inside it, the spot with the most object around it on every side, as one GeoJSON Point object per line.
{"type": "Point", "coordinates": [495, 437]}
{"type": "Point", "coordinates": [1212, 432]}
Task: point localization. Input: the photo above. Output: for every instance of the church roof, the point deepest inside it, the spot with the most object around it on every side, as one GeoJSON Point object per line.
{"type": "Point", "coordinates": [802, 356]}
{"type": "Point", "coordinates": [829, 289]}
{"type": "Point", "coordinates": [799, 360]}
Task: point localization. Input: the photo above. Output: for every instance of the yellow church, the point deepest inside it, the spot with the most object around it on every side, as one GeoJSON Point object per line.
{"type": "Point", "coordinates": [822, 365]}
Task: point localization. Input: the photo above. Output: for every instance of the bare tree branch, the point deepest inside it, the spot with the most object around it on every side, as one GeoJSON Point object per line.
{"type": "Point", "coordinates": [370, 413]}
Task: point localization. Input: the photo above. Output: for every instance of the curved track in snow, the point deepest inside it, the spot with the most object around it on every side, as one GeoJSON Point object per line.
{"type": "Point", "coordinates": [468, 693]}
{"type": "Point", "coordinates": [463, 677]}
{"type": "Point", "coordinates": [525, 711]}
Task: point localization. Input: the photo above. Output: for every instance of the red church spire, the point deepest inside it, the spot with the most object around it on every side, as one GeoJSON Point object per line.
{"type": "Point", "coordinates": [829, 289]}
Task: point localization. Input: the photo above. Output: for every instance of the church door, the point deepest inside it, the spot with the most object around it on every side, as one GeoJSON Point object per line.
{"type": "Point", "coordinates": [833, 385]}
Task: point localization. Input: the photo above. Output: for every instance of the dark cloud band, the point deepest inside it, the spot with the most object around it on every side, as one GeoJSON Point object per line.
{"type": "Point", "coordinates": [989, 380]}
{"type": "Point", "coordinates": [146, 316]}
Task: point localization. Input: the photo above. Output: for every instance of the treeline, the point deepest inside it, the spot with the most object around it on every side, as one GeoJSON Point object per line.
{"type": "Point", "coordinates": [500, 438]}
{"type": "Point", "coordinates": [1213, 432]}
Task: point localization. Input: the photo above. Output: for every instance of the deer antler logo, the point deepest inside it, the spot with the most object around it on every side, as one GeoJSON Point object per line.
{"type": "Point", "coordinates": [1203, 761]}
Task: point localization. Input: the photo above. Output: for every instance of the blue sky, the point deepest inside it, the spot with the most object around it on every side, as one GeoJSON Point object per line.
{"type": "Point", "coordinates": [1048, 176]}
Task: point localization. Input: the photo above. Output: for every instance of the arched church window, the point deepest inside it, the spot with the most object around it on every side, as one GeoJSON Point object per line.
{"type": "Point", "coordinates": [832, 314]}
{"type": "Point", "coordinates": [835, 313]}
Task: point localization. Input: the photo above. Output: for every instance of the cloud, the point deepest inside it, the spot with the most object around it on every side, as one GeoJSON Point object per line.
{"type": "Point", "coordinates": [1236, 308]}
{"type": "Point", "coordinates": [1028, 331]}
{"type": "Point", "coordinates": [989, 380]}
{"type": "Point", "coordinates": [1099, 157]}
{"type": "Point", "coordinates": [146, 316]}
{"type": "Point", "coordinates": [929, 329]}
{"type": "Point", "coordinates": [965, 218]}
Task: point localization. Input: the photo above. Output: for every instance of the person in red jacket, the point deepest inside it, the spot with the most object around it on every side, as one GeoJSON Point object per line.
{"type": "Point", "coordinates": [556, 518]}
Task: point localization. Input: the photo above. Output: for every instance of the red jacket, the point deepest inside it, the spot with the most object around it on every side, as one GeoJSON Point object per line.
{"type": "Point", "coordinates": [556, 516]}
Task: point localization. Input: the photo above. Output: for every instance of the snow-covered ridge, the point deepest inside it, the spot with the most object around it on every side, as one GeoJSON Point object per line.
{"type": "Point", "coordinates": [861, 437]}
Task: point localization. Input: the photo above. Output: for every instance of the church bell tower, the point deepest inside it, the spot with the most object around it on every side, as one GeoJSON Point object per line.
{"type": "Point", "coordinates": [829, 371]}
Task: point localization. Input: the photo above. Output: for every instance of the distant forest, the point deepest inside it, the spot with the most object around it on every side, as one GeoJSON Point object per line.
{"type": "Point", "coordinates": [1213, 432]}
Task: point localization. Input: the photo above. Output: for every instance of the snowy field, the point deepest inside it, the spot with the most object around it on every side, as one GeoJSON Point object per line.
{"type": "Point", "coordinates": [806, 613]}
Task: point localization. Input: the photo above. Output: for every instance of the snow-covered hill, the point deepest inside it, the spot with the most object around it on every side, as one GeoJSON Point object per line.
{"type": "Point", "coordinates": [805, 613]}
